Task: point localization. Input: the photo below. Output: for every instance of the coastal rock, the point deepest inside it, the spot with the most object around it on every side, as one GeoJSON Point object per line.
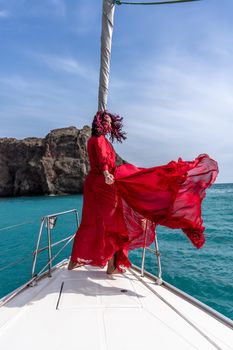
{"type": "Point", "coordinates": [56, 164]}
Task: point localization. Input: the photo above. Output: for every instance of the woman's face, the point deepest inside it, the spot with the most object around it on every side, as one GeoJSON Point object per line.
{"type": "Point", "coordinates": [107, 123]}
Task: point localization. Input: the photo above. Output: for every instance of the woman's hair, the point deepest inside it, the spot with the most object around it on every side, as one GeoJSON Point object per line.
{"type": "Point", "coordinates": [99, 126]}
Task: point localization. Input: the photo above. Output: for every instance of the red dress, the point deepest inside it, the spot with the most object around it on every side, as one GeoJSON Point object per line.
{"type": "Point", "coordinates": [115, 217]}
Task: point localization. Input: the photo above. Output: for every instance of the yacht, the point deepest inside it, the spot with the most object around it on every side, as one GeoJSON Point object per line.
{"type": "Point", "coordinates": [88, 309]}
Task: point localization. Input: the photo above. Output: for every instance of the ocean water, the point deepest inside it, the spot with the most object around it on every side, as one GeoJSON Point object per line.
{"type": "Point", "coordinates": [206, 274]}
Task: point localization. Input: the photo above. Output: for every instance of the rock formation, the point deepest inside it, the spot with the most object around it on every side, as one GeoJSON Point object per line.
{"type": "Point", "coordinates": [56, 164]}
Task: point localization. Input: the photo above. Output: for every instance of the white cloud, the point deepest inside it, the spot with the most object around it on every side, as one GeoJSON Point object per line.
{"type": "Point", "coordinates": [37, 105]}
{"type": "Point", "coordinates": [176, 101]}
{"type": "Point", "coordinates": [68, 65]}
{"type": "Point", "coordinates": [178, 105]}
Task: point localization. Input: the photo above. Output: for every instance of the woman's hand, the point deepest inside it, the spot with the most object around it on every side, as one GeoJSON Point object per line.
{"type": "Point", "coordinates": [109, 178]}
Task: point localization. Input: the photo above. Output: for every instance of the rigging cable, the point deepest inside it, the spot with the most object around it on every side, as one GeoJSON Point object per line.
{"type": "Point", "coordinates": [119, 2]}
{"type": "Point", "coordinates": [16, 262]}
{"type": "Point", "coordinates": [17, 225]}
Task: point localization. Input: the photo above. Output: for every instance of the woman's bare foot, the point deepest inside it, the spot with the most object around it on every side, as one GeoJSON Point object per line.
{"type": "Point", "coordinates": [73, 265]}
{"type": "Point", "coordinates": [111, 265]}
{"type": "Point", "coordinates": [115, 271]}
{"type": "Point", "coordinates": [112, 269]}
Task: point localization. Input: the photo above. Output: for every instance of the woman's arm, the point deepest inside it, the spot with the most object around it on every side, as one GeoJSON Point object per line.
{"type": "Point", "coordinates": [102, 155]}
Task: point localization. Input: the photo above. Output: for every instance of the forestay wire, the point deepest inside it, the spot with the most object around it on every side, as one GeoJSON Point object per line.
{"type": "Point", "coordinates": [119, 2]}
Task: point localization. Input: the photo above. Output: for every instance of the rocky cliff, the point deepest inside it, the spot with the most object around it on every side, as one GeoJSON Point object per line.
{"type": "Point", "coordinates": [56, 164]}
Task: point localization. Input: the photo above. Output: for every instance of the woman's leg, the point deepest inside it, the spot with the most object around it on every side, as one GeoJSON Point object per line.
{"type": "Point", "coordinates": [112, 269]}
{"type": "Point", "coordinates": [111, 265]}
{"type": "Point", "coordinates": [73, 265]}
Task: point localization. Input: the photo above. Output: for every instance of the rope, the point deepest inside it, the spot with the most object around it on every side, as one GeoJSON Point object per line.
{"type": "Point", "coordinates": [119, 2]}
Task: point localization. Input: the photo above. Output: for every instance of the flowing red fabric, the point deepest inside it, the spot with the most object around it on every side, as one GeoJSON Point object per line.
{"type": "Point", "coordinates": [115, 217]}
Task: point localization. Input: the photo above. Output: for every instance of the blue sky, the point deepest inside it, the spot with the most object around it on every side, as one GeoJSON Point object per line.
{"type": "Point", "coordinates": [171, 75]}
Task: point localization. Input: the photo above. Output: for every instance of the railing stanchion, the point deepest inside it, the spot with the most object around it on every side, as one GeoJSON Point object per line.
{"type": "Point", "coordinates": [37, 246]}
{"type": "Point", "coordinates": [144, 251]}
{"type": "Point", "coordinates": [157, 253]}
{"type": "Point", "coordinates": [49, 247]}
{"type": "Point", "coordinates": [77, 218]}
{"type": "Point", "coordinates": [50, 221]}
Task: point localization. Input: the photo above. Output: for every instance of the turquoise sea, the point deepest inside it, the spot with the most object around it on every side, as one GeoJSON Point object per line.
{"type": "Point", "coordinates": [205, 274]}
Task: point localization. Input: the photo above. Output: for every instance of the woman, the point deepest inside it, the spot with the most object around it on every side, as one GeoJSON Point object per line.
{"type": "Point", "coordinates": [102, 236]}
{"type": "Point", "coordinates": [122, 205]}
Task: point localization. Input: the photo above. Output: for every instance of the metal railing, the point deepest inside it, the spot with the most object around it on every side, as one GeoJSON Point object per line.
{"type": "Point", "coordinates": [50, 222]}
{"type": "Point", "coordinates": [156, 251]}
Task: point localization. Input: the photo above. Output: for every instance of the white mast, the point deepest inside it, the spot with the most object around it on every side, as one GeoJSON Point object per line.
{"type": "Point", "coordinates": [106, 44]}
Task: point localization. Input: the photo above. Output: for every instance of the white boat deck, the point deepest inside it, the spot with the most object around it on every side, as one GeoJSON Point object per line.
{"type": "Point", "coordinates": [101, 312]}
